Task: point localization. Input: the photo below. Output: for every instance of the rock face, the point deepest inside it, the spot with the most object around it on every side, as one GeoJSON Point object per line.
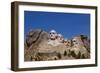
{"type": "Point", "coordinates": [35, 37]}
{"type": "Point", "coordinates": [39, 47]}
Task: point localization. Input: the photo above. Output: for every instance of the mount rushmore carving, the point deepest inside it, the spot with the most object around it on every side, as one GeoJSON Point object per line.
{"type": "Point", "coordinates": [42, 46]}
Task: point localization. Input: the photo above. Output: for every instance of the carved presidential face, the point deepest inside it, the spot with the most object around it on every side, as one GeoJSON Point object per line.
{"type": "Point", "coordinates": [53, 34]}
{"type": "Point", "coordinates": [76, 41]}
{"type": "Point", "coordinates": [60, 38]}
{"type": "Point", "coordinates": [67, 42]}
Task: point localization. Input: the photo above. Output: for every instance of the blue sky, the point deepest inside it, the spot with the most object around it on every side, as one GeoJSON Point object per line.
{"type": "Point", "coordinates": [68, 24]}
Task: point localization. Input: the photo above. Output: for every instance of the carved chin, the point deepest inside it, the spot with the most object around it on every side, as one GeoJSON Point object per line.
{"type": "Point", "coordinates": [52, 38]}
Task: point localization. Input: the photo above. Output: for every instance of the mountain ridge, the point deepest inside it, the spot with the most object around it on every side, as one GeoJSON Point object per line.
{"type": "Point", "coordinates": [42, 46]}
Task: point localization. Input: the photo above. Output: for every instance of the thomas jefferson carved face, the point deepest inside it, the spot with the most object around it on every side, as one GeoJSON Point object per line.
{"type": "Point", "coordinates": [60, 38]}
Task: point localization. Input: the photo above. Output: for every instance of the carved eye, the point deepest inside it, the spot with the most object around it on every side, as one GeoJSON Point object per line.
{"type": "Point", "coordinates": [74, 41]}
{"type": "Point", "coordinates": [52, 33]}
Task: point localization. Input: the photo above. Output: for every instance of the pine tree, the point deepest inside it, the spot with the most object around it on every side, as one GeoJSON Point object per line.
{"type": "Point", "coordinates": [69, 53]}
{"type": "Point", "coordinates": [83, 57]}
{"type": "Point", "coordinates": [59, 55]}
{"type": "Point", "coordinates": [31, 58]}
{"type": "Point", "coordinates": [55, 58]}
{"type": "Point", "coordinates": [65, 53]}
{"type": "Point", "coordinates": [73, 54]}
{"type": "Point", "coordinates": [79, 55]}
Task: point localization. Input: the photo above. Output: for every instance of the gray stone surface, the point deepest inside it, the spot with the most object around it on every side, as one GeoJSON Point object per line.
{"type": "Point", "coordinates": [39, 47]}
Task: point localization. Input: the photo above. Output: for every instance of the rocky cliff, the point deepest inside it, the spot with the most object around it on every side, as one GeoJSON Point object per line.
{"type": "Point", "coordinates": [38, 46]}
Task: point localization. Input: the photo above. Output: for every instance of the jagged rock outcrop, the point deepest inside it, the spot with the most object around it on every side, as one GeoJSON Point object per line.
{"type": "Point", "coordinates": [35, 37]}
{"type": "Point", "coordinates": [81, 45]}
{"type": "Point", "coordinates": [39, 47]}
